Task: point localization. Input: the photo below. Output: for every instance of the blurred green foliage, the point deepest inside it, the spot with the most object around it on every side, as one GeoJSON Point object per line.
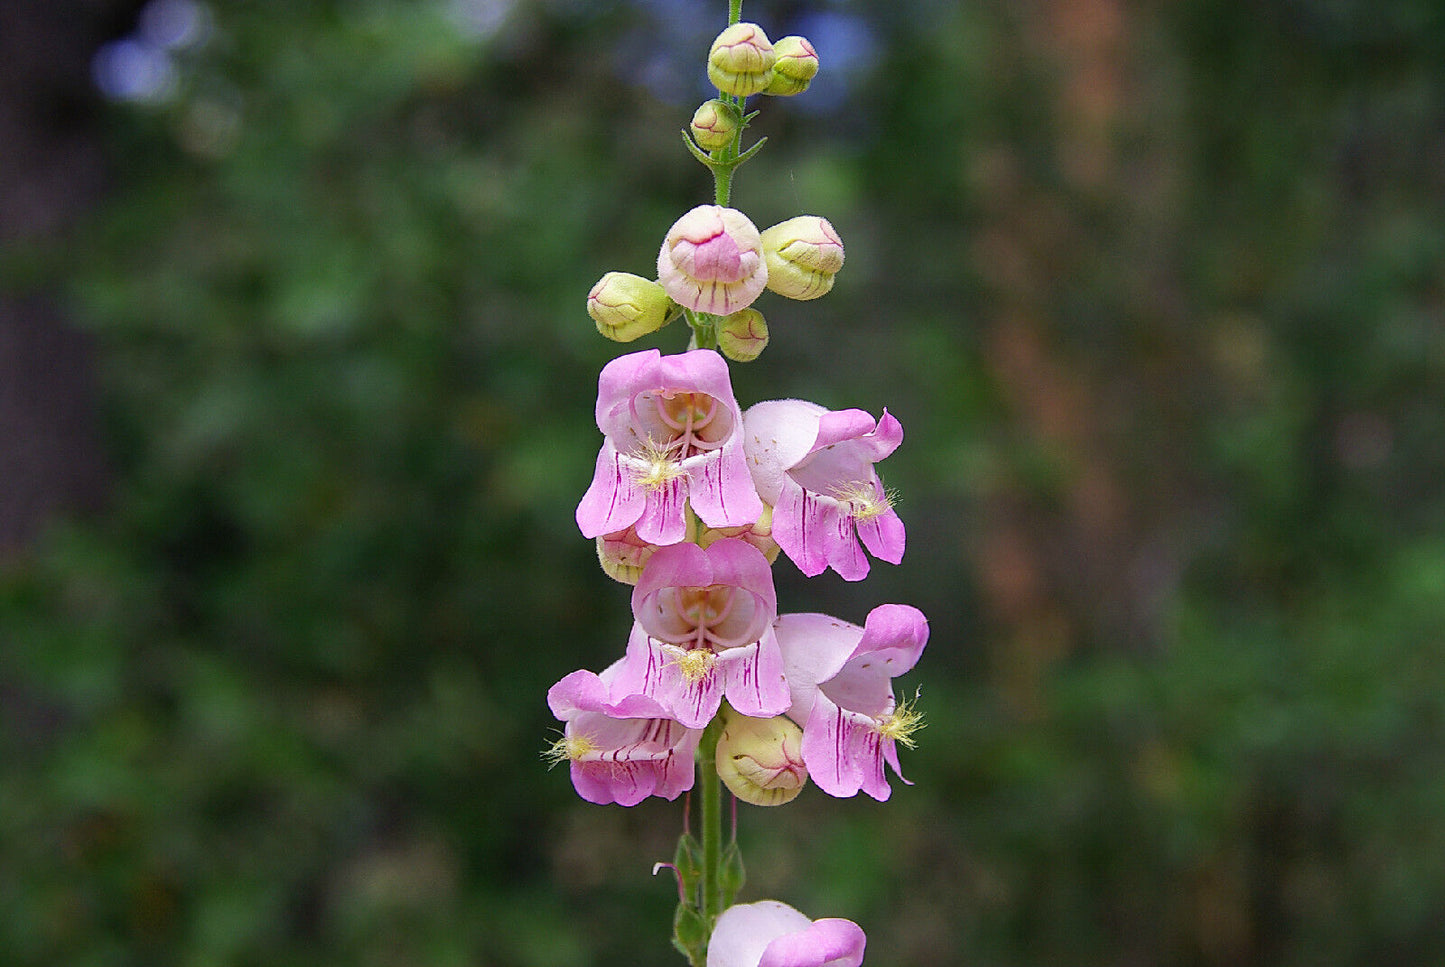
{"type": "Point", "coordinates": [1156, 290]}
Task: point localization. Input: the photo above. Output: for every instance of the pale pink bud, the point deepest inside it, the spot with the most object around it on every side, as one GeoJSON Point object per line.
{"type": "Point", "coordinates": [741, 60]}
{"type": "Point", "coordinates": [795, 67]}
{"type": "Point", "coordinates": [712, 261]}
{"type": "Point", "coordinates": [802, 254]}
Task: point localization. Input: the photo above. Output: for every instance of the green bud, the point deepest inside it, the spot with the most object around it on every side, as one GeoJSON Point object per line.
{"type": "Point", "coordinates": [743, 335]}
{"type": "Point", "coordinates": [803, 254]}
{"type": "Point", "coordinates": [760, 760]}
{"type": "Point", "coordinates": [794, 68]}
{"type": "Point", "coordinates": [627, 306]}
{"type": "Point", "coordinates": [715, 124]}
{"type": "Point", "coordinates": [741, 60]}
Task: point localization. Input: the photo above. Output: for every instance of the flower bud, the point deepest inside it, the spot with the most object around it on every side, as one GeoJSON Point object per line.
{"type": "Point", "coordinates": [623, 554]}
{"type": "Point", "coordinates": [712, 261]}
{"type": "Point", "coordinates": [714, 125]}
{"type": "Point", "coordinates": [761, 760]}
{"type": "Point", "coordinates": [795, 66]}
{"type": "Point", "coordinates": [626, 306]}
{"type": "Point", "coordinates": [743, 335]}
{"type": "Point", "coordinates": [741, 60]}
{"type": "Point", "coordinates": [802, 253]}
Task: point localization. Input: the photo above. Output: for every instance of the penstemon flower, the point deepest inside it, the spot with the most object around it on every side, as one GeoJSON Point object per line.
{"type": "Point", "coordinates": [621, 751]}
{"type": "Point", "coordinates": [841, 680]}
{"type": "Point", "coordinates": [673, 438]}
{"type": "Point", "coordinates": [704, 630]}
{"type": "Point", "coordinates": [814, 467]}
{"type": "Point", "coordinates": [691, 502]}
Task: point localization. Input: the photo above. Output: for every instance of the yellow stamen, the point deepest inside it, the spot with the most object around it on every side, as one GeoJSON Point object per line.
{"type": "Point", "coordinates": [659, 467]}
{"type": "Point", "coordinates": [695, 664]}
{"type": "Point", "coordinates": [568, 748]}
{"type": "Point", "coordinates": [863, 500]}
{"type": "Point", "coordinates": [900, 724]}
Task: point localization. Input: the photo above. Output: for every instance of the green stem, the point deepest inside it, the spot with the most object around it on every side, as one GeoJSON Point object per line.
{"type": "Point", "coordinates": [722, 175]}
{"type": "Point", "coordinates": [710, 805]}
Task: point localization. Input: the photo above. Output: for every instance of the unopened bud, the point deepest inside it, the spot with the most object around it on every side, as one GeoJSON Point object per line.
{"type": "Point", "coordinates": [714, 125]}
{"type": "Point", "coordinates": [761, 760]}
{"type": "Point", "coordinates": [794, 67]}
{"type": "Point", "coordinates": [712, 261]}
{"type": "Point", "coordinates": [626, 306]}
{"type": "Point", "coordinates": [623, 554]}
{"type": "Point", "coordinates": [803, 254]}
{"type": "Point", "coordinates": [743, 335]}
{"type": "Point", "coordinates": [759, 534]}
{"type": "Point", "coordinates": [741, 60]}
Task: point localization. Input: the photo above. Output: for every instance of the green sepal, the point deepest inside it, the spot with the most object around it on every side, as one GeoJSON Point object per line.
{"type": "Point", "coordinates": [688, 862]}
{"type": "Point", "coordinates": [690, 931]}
{"type": "Point", "coordinates": [733, 875]}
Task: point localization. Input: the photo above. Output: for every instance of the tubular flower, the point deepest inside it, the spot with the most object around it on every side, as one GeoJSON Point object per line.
{"type": "Point", "coordinates": [840, 677]}
{"type": "Point", "coordinates": [712, 261]}
{"type": "Point", "coordinates": [673, 437]}
{"type": "Point", "coordinates": [773, 934]}
{"type": "Point", "coordinates": [621, 751]}
{"type": "Point", "coordinates": [741, 60]}
{"type": "Point", "coordinates": [703, 630]}
{"type": "Point", "coordinates": [803, 254]}
{"type": "Point", "coordinates": [814, 466]}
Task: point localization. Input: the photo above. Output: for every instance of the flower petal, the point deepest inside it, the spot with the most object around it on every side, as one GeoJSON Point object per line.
{"type": "Point", "coordinates": [651, 670]}
{"type": "Point", "coordinates": [754, 682]}
{"type": "Point", "coordinates": [830, 942]}
{"type": "Point", "coordinates": [815, 647]}
{"type": "Point", "coordinates": [613, 501]}
{"type": "Point", "coordinates": [777, 435]}
{"type": "Point", "coordinates": [744, 931]}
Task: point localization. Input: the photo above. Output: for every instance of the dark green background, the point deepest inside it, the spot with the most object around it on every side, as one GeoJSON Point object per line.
{"type": "Point", "coordinates": [1155, 289]}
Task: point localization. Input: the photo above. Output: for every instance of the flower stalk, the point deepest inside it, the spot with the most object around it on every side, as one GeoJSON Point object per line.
{"type": "Point", "coordinates": [692, 502]}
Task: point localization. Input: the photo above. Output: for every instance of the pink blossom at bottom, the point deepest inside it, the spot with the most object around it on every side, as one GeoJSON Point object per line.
{"type": "Point", "coordinates": [773, 934]}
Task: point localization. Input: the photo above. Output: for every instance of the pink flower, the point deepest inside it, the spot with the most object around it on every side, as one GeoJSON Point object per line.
{"type": "Point", "coordinates": [703, 630]}
{"type": "Point", "coordinates": [712, 261]}
{"type": "Point", "coordinates": [815, 467]}
{"type": "Point", "coordinates": [840, 677]}
{"type": "Point", "coordinates": [773, 934]}
{"type": "Point", "coordinates": [621, 751]}
{"type": "Point", "coordinates": [673, 436]}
